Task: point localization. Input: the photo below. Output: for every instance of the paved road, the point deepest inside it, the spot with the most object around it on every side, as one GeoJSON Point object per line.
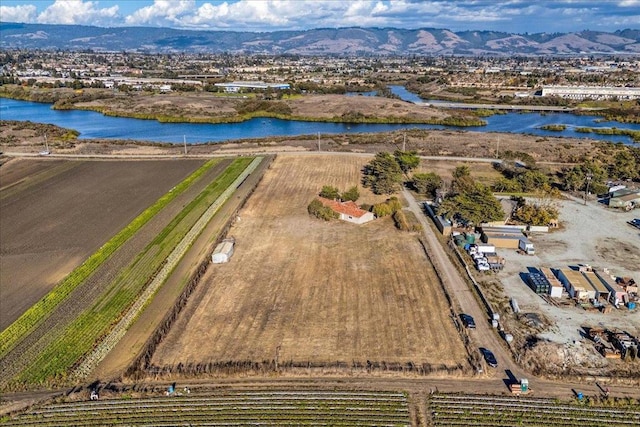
{"type": "Point", "coordinates": [483, 335]}
{"type": "Point", "coordinates": [231, 153]}
{"type": "Point", "coordinates": [463, 105]}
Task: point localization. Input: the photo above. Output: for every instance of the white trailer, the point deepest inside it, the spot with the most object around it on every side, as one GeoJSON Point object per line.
{"type": "Point", "coordinates": [526, 246]}
{"type": "Point", "coordinates": [223, 252]}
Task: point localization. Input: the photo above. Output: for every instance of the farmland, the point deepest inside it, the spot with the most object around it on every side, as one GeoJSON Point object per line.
{"type": "Point", "coordinates": [56, 213]}
{"type": "Point", "coordinates": [67, 330]}
{"type": "Point", "coordinates": [312, 293]}
{"type": "Point", "coordinates": [275, 407]}
{"type": "Point", "coordinates": [490, 411]}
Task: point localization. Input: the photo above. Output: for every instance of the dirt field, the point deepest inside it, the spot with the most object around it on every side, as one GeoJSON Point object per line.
{"type": "Point", "coordinates": [56, 213]}
{"type": "Point", "coordinates": [206, 105]}
{"type": "Point", "coordinates": [312, 291]}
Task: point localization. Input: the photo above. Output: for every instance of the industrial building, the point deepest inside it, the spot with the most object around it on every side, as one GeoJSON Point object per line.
{"type": "Point", "coordinates": [593, 92]}
{"type": "Point", "coordinates": [444, 225]}
{"type": "Point", "coordinates": [617, 295]}
{"type": "Point", "coordinates": [507, 237]}
{"type": "Point", "coordinates": [602, 292]}
{"type": "Point", "coordinates": [237, 86]}
{"type": "Point", "coordinates": [576, 284]}
{"type": "Point", "coordinates": [625, 198]}
{"type": "Point", "coordinates": [555, 287]}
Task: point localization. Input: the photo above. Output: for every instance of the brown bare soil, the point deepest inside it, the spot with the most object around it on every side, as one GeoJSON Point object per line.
{"type": "Point", "coordinates": [206, 105]}
{"type": "Point", "coordinates": [142, 337]}
{"type": "Point", "coordinates": [302, 290]}
{"type": "Point", "coordinates": [327, 106]}
{"type": "Point", "coordinates": [56, 213]}
{"type": "Point", "coordinates": [168, 104]}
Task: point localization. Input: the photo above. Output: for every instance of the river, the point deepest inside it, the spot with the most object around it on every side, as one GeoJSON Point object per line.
{"type": "Point", "coordinates": [91, 124]}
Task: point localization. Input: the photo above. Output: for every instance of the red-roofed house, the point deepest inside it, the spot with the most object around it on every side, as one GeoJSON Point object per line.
{"type": "Point", "coordinates": [348, 211]}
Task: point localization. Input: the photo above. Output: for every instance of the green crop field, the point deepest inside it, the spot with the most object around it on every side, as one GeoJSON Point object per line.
{"type": "Point", "coordinates": [274, 408]}
{"type": "Point", "coordinates": [43, 308]}
{"type": "Point", "coordinates": [78, 338]}
{"type": "Point", "coordinates": [495, 411]}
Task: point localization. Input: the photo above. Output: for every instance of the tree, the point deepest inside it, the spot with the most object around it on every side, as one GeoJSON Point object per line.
{"type": "Point", "coordinates": [531, 180]}
{"type": "Point", "coordinates": [329, 192]}
{"type": "Point", "coordinates": [382, 174]}
{"type": "Point", "coordinates": [351, 194]}
{"type": "Point", "coordinates": [624, 166]}
{"type": "Point", "coordinates": [407, 160]}
{"type": "Point", "coordinates": [426, 183]}
{"type": "Point", "coordinates": [535, 214]}
{"type": "Point", "coordinates": [477, 205]}
{"type": "Point", "coordinates": [506, 185]}
{"type": "Point", "coordinates": [462, 180]}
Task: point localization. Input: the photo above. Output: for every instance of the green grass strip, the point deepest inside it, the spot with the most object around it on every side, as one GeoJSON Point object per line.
{"type": "Point", "coordinates": [80, 336]}
{"type": "Point", "coordinates": [38, 312]}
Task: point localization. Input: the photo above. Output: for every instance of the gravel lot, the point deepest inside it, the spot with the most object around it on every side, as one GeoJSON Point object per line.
{"type": "Point", "coordinates": [591, 234]}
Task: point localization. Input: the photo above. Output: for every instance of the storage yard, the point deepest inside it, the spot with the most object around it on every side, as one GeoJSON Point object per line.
{"type": "Point", "coordinates": [309, 293]}
{"type": "Point", "coordinates": [563, 264]}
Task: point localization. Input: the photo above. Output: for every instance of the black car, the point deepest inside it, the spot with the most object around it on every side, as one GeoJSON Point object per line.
{"type": "Point", "coordinates": [468, 321]}
{"type": "Point", "coordinates": [489, 357]}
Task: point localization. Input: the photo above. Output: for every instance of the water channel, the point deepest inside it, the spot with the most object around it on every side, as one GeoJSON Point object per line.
{"type": "Point", "coordinates": [91, 124]}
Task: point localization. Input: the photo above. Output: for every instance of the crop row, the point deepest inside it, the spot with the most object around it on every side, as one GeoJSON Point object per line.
{"type": "Point", "coordinates": [81, 335]}
{"type": "Point", "coordinates": [43, 308]}
{"type": "Point", "coordinates": [304, 408]}
{"type": "Point", "coordinates": [108, 343]}
{"type": "Point", "coordinates": [500, 411]}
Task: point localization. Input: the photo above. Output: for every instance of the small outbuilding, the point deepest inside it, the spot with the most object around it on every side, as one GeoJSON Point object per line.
{"type": "Point", "coordinates": [223, 251]}
{"type": "Point", "coordinates": [625, 199]}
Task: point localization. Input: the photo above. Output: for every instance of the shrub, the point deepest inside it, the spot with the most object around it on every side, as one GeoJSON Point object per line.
{"type": "Point", "coordinates": [351, 194]}
{"type": "Point", "coordinates": [329, 192]}
{"type": "Point", "coordinates": [317, 209]}
{"type": "Point", "coordinates": [381, 209]}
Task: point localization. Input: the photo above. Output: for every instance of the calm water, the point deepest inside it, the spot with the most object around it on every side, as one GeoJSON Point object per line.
{"type": "Point", "coordinates": [94, 125]}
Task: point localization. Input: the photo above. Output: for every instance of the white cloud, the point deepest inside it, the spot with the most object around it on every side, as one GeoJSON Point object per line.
{"type": "Point", "coordinates": [272, 15]}
{"type": "Point", "coordinates": [78, 12]}
{"type": "Point", "coordinates": [162, 12]}
{"type": "Point", "coordinates": [22, 13]}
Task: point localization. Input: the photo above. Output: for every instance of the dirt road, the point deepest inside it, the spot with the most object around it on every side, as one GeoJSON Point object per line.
{"type": "Point", "coordinates": [483, 335]}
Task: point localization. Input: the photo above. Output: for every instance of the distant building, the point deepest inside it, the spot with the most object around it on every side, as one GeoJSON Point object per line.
{"type": "Point", "coordinates": [594, 92]}
{"type": "Point", "coordinates": [348, 211]}
{"type": "Point", "coordinates": [237, 86]}
{"type": "Point", "coordinates": [625, 198]}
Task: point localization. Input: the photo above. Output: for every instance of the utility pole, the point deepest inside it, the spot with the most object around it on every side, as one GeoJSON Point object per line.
{"type": "Point", "coordinates": [184, 138]}
{"type": "Point", "coordinates": [586, 190]}
{"type": "Point", "coordinates": [318, 141]}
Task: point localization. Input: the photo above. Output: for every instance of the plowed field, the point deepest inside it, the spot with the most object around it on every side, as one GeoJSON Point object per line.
{"type": "Point", "coordinates": [56, 213]}
{"type": "Point", "coordinates": [313, 291]}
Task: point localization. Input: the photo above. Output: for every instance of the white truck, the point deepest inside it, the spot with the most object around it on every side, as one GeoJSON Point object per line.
{"type": "Point", "coordinates": [526, 246]}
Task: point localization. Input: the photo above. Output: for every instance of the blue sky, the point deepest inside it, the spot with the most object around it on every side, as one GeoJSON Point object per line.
{"type": "Point", "coordinates": [516, 16]}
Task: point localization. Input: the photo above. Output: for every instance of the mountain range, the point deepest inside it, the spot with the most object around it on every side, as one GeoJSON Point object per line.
{"type": "Point", "coordinates": [321, 41]}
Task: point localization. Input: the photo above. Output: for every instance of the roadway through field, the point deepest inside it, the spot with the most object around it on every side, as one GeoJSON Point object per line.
{"type": "Point", "coordinates": [483, 335]}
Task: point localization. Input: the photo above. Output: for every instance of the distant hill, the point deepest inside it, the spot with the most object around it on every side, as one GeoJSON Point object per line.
{"type": "Point", "coordinates": [321, 41]}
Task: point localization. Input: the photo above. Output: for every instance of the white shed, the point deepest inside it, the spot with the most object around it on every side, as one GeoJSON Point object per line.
{"type": "Point", "coordinates": [223, 252]}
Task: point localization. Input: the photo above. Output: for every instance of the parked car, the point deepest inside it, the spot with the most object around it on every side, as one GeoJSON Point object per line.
{"type": "Point", "coordinates": [635, 222]}
{"type": "Point", "coordinates": [489, 357]}
{"type": "Point", "coordinates": [468, 321]}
